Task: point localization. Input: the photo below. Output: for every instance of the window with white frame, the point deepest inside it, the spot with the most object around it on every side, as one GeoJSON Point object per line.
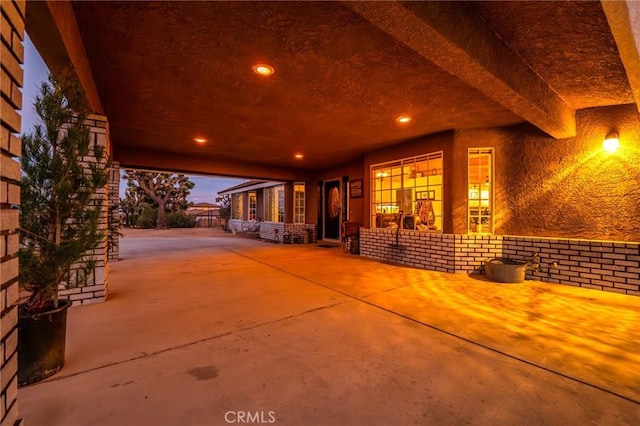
{"type": "Point", "coordinates": [236, 206]}
{"type": "Point", "coordinates": [480, 197]}
{"type": "Point", "coordinates": [408, 193]}
{"type": "Point", "coordinates": [298, 202]}
{"type": "Point", "coordinates": [274, 204]}
{"type": "Point", "coordinates": [252, 205]}
{"type": "Point", "coordinates": [280, 193]}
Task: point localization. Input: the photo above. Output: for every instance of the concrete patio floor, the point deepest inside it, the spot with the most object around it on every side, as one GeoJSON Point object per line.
{"type": "Point", "coordinates": [204, 328]}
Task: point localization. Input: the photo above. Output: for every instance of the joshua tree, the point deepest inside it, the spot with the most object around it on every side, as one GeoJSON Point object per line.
{"type": "Point", "coordinates": [60, 211]}
{"type": "Point", "coordinates": [167, 191]}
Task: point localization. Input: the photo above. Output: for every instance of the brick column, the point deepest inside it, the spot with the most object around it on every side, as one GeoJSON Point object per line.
{"type": "Point", "coordinates": [11, 57]}
{"type": "Point", "coordinates": [93, 288]}
{"type": "Point", "coordinates": [114, 202]}
{"type": "Point", "coordinates": [260, 203]}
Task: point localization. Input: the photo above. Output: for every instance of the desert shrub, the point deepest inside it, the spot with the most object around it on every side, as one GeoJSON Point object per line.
{"type": "Point", "coordinates": [147, 218]}
{"type": "Point", "coordinates": [180, 219]}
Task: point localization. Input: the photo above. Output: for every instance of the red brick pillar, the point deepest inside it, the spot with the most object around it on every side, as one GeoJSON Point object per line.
{"type": "Point", "coordinates": [11, 57]}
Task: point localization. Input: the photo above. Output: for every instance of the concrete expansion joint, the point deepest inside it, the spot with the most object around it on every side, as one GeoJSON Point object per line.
{"type": "Point", "coordinates": [438, 329]}
{"type": "Point", "coordinates": [505, 354]}
{"type": "Point", "coordinates": [195, 342]}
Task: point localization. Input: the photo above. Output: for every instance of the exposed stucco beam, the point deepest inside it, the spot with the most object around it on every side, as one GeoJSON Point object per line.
{"type": "Point", "coordinates": [182, 163]}
{"type": "Point", "coordinates": [53, 28]}
{"type": "Point", "coordinates": [454, 37]}
{"type": "Point", "coordinates": [624, 21]}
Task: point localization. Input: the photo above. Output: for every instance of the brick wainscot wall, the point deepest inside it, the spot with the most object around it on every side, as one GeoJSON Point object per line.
{"type": "Point", "coordinates": [273, 231]}
{"type": "Point", "coordinates": [600, 265]}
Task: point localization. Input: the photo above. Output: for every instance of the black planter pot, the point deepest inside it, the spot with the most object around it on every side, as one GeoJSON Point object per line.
{"type": "Point", "coordinates": [41, 343]}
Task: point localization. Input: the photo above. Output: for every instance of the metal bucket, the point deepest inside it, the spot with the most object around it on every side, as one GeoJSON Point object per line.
{"type": "Point", "coordinates": [505, 270]}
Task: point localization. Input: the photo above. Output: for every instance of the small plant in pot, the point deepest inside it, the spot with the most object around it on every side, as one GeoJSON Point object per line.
{"type": "Point", "coordinates": [59, 223]}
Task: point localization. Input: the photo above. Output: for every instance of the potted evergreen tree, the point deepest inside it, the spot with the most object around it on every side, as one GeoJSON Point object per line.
{"type": "Point", "coordinates": [59, 223]}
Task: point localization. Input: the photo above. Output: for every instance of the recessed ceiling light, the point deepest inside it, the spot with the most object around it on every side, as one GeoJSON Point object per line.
{"type": "Point", "coordinates": [199, 139]}
{"type": "Point", "coordinates": [403, 119]}
{"type": "Point", "coordinates": [299, 156]}
{"type": "Point", "coordinates": [263, 69]}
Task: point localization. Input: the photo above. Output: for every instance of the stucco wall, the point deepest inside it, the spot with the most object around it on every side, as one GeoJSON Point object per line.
{"type": "Point", "coordinates": [479, 138]}
{"type": "Point", "coordinates": [568, 188]}
{"type": "Point", "coordinates": [561, 188]}
{"type": "Point", "coordinates": [571, 187]}
{"type": "Point", "coordinates": [311, 201]}
{"type": "Point", "coordinates": [354, 171]}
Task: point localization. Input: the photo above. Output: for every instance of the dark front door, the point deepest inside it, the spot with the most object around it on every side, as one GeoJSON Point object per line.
{"type": "Point", "coordinates": [332, 209]}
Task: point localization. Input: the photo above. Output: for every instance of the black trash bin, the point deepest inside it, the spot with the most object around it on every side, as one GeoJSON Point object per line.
{"type": "Point", "coordinates": [354, 245]}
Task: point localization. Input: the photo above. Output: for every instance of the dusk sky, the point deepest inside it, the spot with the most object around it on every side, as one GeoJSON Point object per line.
{"type": "Point", "coordinates": [35, 72]}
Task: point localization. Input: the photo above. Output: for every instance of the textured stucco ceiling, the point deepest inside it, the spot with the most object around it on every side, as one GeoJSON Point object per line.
{"type": "Point", "coordinates": [568, 44]}
{"type": "Point", "coordinates": [168, 71]}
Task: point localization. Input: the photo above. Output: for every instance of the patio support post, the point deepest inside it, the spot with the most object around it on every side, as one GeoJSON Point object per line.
{"type": "Point", "coordinates": [288, 202]}
{"type": "Point", "coordinates": [93, 289]}
{"type": "Point", "coordinates": [114, 201]}
{"type": "Point", "coordinates": [245, 205]}
{"type": "Point", "coordinates": [260, 203]}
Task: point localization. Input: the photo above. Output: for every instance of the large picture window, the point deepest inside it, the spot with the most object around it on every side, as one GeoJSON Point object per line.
{"type": "Point", "coordinates": [236, 206]}
{"type": "Point", "coordinates": [274, 204]}
{"type": "Point", "coordinates": [480, 198]}
{"type": "Point", "coordinates": [298, 203]}
{"type": "Point", "coordinates": [408, 193]}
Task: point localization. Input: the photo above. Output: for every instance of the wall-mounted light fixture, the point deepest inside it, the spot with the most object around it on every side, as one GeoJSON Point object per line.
{"type": "Point", "coordinates": [611, 142]}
